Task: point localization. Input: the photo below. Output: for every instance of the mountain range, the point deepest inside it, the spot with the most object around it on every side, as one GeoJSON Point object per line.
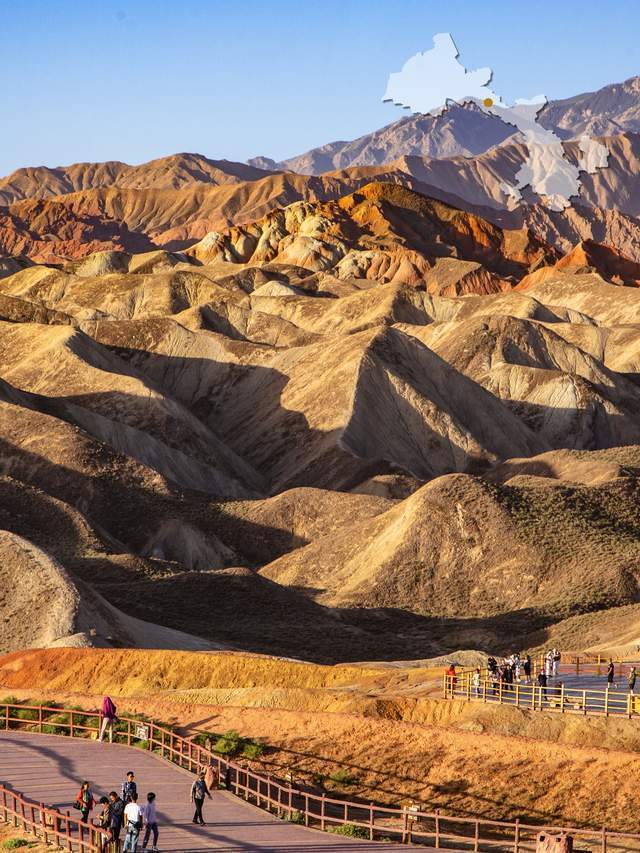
{"type": "Point", "coordinates": [376, 412]}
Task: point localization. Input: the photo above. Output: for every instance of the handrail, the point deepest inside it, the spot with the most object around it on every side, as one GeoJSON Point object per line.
{"type": "Point", "coordinates": [285, 798]}
{"type": "Point", "coordinates": [49, 824]}
{"type": "Point", "coordinates": [554, 697]}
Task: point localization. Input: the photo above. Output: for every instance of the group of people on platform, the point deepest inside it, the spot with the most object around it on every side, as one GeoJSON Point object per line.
{"type": "Point", "coordinates": [503, 675]}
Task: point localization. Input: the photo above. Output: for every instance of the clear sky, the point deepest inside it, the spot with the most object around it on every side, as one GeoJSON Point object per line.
{"type": "Point", "coordinates": [132, 80]}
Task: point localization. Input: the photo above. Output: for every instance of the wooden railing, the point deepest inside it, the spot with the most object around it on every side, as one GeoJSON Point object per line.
{"type": "Point", "coordinates": [291, 801]}
{"type": "Point", "coordinates": [554, 697]}
{"type": "Point", "coordinates": [49, 824]}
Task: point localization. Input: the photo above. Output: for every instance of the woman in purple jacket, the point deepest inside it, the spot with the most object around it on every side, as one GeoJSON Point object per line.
{"type": "Point", "coordinates": [108, 718]}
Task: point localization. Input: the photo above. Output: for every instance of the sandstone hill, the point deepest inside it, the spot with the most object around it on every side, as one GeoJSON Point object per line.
{"type": "Point", "coordinates": [375, 427]}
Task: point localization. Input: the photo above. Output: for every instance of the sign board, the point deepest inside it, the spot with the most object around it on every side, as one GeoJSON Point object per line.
{"type": "Point", "coordinates": [142, 731]}
{"type": "Point", "coordinates": [412, 811]}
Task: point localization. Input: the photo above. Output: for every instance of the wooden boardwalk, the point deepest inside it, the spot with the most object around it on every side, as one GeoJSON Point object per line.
{"type": "Point", "coordinates": [49, 769]}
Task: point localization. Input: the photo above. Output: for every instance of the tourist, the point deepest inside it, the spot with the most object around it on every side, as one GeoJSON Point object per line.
{"type": "Point", "coordinates": [526, 666]}
{"type": "Point", "coordinates": [611, 672]}
{"type": "Point", "coordinates": [133, 824]}
{"type": "Point", "coordinates": [108, 718]}
{"type": "Point", "coordinates": [492, 664]}
{"type": "Point", "coordinates": [548, 664]}
{"type": "Point", "coordinates": [556, 662]}
{"type": "Point", "coordinates": [542, 684]}
{"type": "Point", "coordinates": [150, 819]}
{"type": "Point", "coordinates": [129, 788]}
{"type": "Point", "coordinates": [199, 791]}
{"type": "Point", "coordinates": [495, 680]}
{"type": "Point", "coordinates": [452, 678]}
{"type": "Point", "coordinates": [517, 668]}
{"type": "Point", "coordinates": [85, 801]}
{"type": "Point", "coordinates": [475, 683]}
{"type": "Point", "coordinates": [117, 816]}
{"type": "Point", "coordinates": [104, 822]}
{"type": "Point", "coordinates": [631, 679]}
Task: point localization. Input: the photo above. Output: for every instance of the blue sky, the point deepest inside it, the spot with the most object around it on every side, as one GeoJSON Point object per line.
{"type": "Point", "coordinates": [132, 80]}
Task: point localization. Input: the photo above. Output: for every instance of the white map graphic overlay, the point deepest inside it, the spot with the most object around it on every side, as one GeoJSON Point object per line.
{"type": "Point", "coordinates": [429, 81]}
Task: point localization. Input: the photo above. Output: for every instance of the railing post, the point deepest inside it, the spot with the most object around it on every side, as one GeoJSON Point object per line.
{"type": "Point", "coordinates": [484, 689]}
{"type": "Point", "coordinates": [70, 723]}
{"type": "Point", "coordinates": [584, 702]}
{"type": "Point", "coordinates": [437, 817]}
{"type": "Point", "coordinates": [606, 702]}
{"type": "Point", "coordinates": [444, 686]}
{"type": "Point", "coordinates": [370, 821]}
{"type": "Point", "coordinates": [68, 832]}
{"type": "Point", "coordinates": [516, 838]}
{"type": "Point", "coordinates": [306, 809]}
{"type": "Point", "coordinates": [604, 839]}
{"type": "Point", "coordinates": [322, 808]}
{"type": "Point", "coordinates": [40, 719]}
{"type": "Point", "coordinates": [517, 695]}
{"type": "Point", "coordinates": [500, 692]}
{"type": "Point", "coordinates": [562, 698]}
{"type": "Point", "coordinates": [43, 822]}
{"type": "Point", "coordinates": [476, 838]}
{"type": "Point", "coordinates": [468, 679]}
{"type": "Point", "coordinates": [405, 824]}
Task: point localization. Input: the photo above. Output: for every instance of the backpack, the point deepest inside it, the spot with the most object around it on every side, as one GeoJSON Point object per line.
{"type": "Point", "coordinates": [200, 789]}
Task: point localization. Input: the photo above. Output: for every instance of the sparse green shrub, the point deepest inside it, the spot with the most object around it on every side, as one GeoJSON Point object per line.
{"type": "Point", "coordinates": [228, 744]}
{"type": "Point", "coordinates": [342, 777]}
{"type": "Point", "coordinates": [294, 817]}
{"type": "Point", "coordinates": [252, 750]}
{"type": "Point", "coordinates": [13, 843]}
{"type": "Point", "coordinates": [350, 830]}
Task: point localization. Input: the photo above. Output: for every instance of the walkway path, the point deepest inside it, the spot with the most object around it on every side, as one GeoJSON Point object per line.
{"type": "Point", "coordinates": [48, 769]}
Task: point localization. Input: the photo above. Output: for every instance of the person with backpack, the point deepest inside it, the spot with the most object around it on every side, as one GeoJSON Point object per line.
{"type": "Point", "coordinates": [129, 788]}
{"type": "Point", "coordinates": [199, 791]}
{"type": "Point", "coordinates": [117, 816]}
{"type": "Point", "coordinates": [133, 824]}
{"type": "Point", "coordinates": [84, 801]}
{"type": "Point", "coordinates": [150, 819]}
{"type": "Point", "coordinates": [108, 718]}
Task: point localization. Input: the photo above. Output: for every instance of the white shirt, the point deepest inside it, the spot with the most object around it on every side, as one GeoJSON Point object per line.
{"type": "Point", "coordinates": [132, 813]}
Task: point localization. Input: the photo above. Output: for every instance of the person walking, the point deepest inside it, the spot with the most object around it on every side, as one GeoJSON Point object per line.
{"type": "Point", "coordinates": [108, 718]}
{"type": "Point", "coordinates": [526, 666]}
{"type": "Point", "coordinates": [104, 822]}
{"type": "Point", "coordinates": [475, 683]}
{"type": "Point", "coordinates": [85, 801]}
{"type": "Point", "coordinates": [150, 818]}
{"type": "Point", "coordinates": [117, 817]}
{"type": "Point", "coordinates": [611, 672]}
{"type": "Point", "coordinates": [129, 788]}
{"type": "Point", "coordinates": [548, 664]}
{"type": "Point", "coordinates": [631, 679]}
{"type": "Point", "coordinates": [199, 791]}
{"type": "Point", "coordinates": [556, 662]}
{"type": "Point", "coordinates": [133, 824]}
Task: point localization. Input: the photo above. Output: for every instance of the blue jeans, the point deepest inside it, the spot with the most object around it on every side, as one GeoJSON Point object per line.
{"type": "Point", "coordinates": [131, 839]}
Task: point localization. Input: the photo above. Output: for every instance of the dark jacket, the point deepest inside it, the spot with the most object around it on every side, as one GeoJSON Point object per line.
{"type": "Point", "coordinates": [128, 789]}
{"type": "Point", "coordinates": [117, 813]}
